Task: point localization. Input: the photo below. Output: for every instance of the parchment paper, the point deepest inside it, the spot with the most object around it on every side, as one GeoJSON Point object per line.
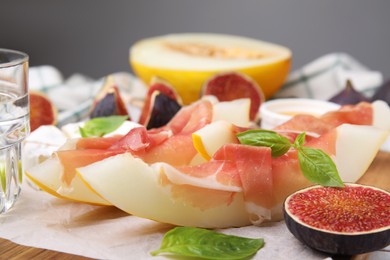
{"type": "Point", "coordinates": [40, 220]}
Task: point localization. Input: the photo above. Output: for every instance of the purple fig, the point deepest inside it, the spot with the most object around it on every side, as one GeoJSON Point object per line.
{"type": "Point", "coordinates": [348, 96]}
{"type": "Point", "coordinates": [161, 86]}
{"type": "Point", "coordinates": [162, 109]}
{"type": "Point", "coordinates": [108, 101]}
{"type": "Point", "coordinates": [383, 93]}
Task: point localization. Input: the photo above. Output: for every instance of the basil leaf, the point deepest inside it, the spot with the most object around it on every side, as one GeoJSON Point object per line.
{"type": "Point", "coordinates": [300, 140]}
{"type": "Point", "coordinates": [318, 167]}
{"type": "Point", "coordinates": [279, 144]}
{"type": "Point", "coordinates": [207, 244]}
{"type": "Point", "coordinates": [100, 126]}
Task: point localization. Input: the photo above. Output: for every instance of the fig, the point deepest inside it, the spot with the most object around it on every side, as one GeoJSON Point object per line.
{"type": "Point", "coordinates": [162, 109]}
{"type": "Point", "coordinates": [108, 102]}
{"type": "Point", "coordinates": [348, 96]}
{"type": "Point", "coordinates": [229, 86]}
{"type": "Point", "coordinates": [383, 93]}
{"type": "Point", "coordinates": [162, 86]}
{"type": "Point", "coordinates": [341, 221]}
{"type": "Point", "coordinates": [42, 110]}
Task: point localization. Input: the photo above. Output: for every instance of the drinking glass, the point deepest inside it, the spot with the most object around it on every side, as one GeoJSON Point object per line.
{"type": "Point", "coordinates": [14, 123]}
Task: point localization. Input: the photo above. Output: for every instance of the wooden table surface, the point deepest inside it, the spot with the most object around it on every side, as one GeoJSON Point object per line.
{"type": "Point", "coordinates": [377, 175]}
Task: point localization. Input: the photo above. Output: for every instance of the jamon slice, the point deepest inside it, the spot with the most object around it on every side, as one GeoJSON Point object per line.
{"type": "Point", "coordinates": [172, 143]}
{"type": "Point", "coordinates": [364, 113]}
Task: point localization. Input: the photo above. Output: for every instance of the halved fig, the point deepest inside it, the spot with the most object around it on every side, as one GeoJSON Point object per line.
{"type": "Point", "coordinates": [42, 110]}
{"type": "Point", "coordinates": [157, 85]}
{"type": "Point", "coordinates": [229, 86]}
{"type": "Point", "coordinates": [343, 221]}
{"type": "Point", "coordinates": [162, 109]}
{"type": "Point", "coordinates": [108, 101]}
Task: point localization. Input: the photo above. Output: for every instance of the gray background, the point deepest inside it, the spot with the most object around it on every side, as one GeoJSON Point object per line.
{"type": "Point", "coordinates": [93, 37]}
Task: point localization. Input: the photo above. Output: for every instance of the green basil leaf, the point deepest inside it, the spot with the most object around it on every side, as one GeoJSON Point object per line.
{"type": "Point", "coordinates": [279, 144]}
{"type": "Point", "coordinates": [300, 140]}
{"type": "Point", "coordinates": [318, 167]}
{"type": "Point", "coordinates": [207, 244]}
{"type": "Point", "coordinates": [100, 126]}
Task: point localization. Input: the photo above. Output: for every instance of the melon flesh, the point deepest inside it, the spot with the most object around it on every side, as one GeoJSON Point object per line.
{"type": "Point", "coordinates": [205, 52]}
{"type": "Point", "coordinates": [381, 114]}
{"type": "Point", "coordinates": [236, 112]}
{"type": "Point", "coordinates": [356, 148]}
{"type": "Point", "coordinates": [47, 176]}
{"type": "Point", "coordinates": [139, 191]}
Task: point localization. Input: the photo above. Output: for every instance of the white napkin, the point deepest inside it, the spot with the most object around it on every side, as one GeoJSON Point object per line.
{"type": "Point", "coordinates": [326, 76]}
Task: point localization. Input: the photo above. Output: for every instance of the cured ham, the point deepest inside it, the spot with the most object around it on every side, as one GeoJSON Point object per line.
{"type": "Point", "coordinates": [361, 114]}
{"type": "Point", "coordinates": [172, 143]}
{"type": "Point", "coordinates": [72, 159]}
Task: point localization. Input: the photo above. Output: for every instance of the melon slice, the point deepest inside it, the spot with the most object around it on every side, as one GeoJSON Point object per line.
{"type": "Point", "coordinates": [381, 112]}
{"type": "Point", "coordinates": [236, 112]}
{"type": "Point", "coordinates": [210, 138]}
{"type": "Point", "coordinates": [135, 187]}
{"type": "Point", "coordinates": [47, 176]}
{"type": "Point", "coordinates": [188, 60]}
{"type": "Point", "coordinates": [356, 148]}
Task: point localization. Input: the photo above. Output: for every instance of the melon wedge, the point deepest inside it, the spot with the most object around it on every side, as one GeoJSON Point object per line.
{"type": "Point", "coordinates": [356, 148]}
{"type": "Point", "coordinates": [47, 176]}
{"type": "Point", "coordinates": [381, 114]}
{"type": "Point", "coordinates": [187, 60]}
{"type": "Point", "coordinates": [135, 187]}
{"type": "Point", "coordinates": [236, 112]}
{"type": "Point", "coordinates": [210, 138]}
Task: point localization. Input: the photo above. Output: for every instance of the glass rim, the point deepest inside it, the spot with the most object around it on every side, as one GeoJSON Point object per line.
{"type": "Point", "coordinates": [20, 59]}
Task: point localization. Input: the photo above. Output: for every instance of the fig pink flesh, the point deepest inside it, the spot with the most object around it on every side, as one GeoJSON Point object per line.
{"type": "Point", "coordinates": [349, 209]}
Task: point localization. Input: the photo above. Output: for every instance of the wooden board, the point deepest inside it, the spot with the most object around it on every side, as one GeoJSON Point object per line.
{"type": "Point", "coordinates": [377, 175]}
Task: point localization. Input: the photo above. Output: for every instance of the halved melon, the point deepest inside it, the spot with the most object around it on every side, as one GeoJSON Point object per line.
{"type": "Point", "coordinates": [187, 60]}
